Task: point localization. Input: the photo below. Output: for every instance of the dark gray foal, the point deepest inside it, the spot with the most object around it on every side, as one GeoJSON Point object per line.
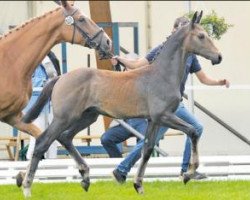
{"type": "Point", "coordinates": [151, 92]}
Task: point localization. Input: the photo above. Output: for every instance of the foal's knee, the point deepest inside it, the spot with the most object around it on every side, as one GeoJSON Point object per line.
{"type": "Point", "coordinates": [192, 133]}
{"type": "Point", "coordinates": [196, 132]}
{"type": "Point", "coordinates": [40, 148]}
{"type": "Point", "coordinates": [199, 130]}
{"type": "Point", "coordinates": [39, 152]}
{"type": "Point", "coordinates": [148, 149]}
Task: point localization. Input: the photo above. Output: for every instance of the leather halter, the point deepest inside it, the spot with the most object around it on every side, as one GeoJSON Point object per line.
{"type": "Point", "coordinates": [89, 41]}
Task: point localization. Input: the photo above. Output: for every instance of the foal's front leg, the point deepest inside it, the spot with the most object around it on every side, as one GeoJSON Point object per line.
{"type": "Point", "coordinates": [148, 147]}
{"type": "Point", "coordinates": [172, 121]}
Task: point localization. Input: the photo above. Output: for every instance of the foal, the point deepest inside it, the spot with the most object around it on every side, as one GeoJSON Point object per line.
{"type": "Point", "coordinates": [150, 92]}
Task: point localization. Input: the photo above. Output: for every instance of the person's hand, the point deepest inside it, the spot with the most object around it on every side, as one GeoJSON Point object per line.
{"type": "Point", "coordinates": [225, 82]}
{"type": "Point", "coordinates": [114, 60]}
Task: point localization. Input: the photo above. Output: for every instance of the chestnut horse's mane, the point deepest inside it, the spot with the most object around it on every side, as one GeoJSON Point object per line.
{"type": "Point", "coordinates": [20, 27]}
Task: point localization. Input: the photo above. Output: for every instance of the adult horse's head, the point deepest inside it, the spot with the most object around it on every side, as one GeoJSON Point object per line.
{"type": "Point", "coordinates": [80, 29]}
{"type": "Point", "coordinates": [198, 41]}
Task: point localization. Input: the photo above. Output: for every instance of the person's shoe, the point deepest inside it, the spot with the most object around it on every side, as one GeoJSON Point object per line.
{"type": "Point", "coordinates": [181, 176]}
{"type": "Point", "coordinates": [195, 176]}
{"type": "Point", "coordinates": [19, 178]}
{"type": "Point", "coordinates": [199, 176]}
{"type": "Point", "coordinates": [119, 178]}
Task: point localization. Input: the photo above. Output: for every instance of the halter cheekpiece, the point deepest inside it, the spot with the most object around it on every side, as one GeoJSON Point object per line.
{"type": "Point", "coordinates": [89, 41]}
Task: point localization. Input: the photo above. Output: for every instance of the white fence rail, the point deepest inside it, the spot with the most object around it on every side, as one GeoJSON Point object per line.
{"type": "Point", "coordinates": [161, 168]}
{"type": "Point", "coordinates": [205, 88]}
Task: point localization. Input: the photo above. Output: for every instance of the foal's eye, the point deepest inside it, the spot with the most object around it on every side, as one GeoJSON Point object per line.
{"type": "Point", "coordinates": [81, 19]}
{"type": "Point", "coordinates": [201, 36]}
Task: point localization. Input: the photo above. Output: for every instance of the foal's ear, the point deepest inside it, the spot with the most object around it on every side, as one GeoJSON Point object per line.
{"type": "Point", "coordinates": [194, 19]}
{"type": "Point", "coordinates": [199, 17]}
{"type": "Point", "coordinates": [65, 4]}
{"type": "Point", "coordinates": [71, 2]}
{"type": "Point", "coordinates": [58, 3]}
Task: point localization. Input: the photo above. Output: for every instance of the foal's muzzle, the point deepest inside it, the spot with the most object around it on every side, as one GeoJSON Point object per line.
{"type": "Point", "coordinates": [217, 60]}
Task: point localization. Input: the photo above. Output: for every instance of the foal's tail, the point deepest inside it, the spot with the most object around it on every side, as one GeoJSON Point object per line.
{"type": "Point", "coordinates": [45, 95]}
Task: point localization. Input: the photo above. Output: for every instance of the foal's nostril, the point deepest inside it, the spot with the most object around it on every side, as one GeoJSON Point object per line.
{"type": "Point", "coordinates": [108, 42]}
{"type": "Point", "coordinates": [220, 58]}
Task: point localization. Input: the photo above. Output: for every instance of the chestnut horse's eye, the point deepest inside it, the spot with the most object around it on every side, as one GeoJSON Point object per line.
{"type": "Point", "coordinates": [201, 36]}
{"type": "Point", "coordinates": [81, 19]}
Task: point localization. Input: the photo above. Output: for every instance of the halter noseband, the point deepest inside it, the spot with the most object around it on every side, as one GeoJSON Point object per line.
{"type": "Point", "coordinates": [89, 41]}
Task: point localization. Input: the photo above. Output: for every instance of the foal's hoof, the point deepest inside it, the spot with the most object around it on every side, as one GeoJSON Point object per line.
{"type": "Point", "coordinates": [85, 184]}
{"type": "Point", "coordinates": [138, 188]}
{"type": "Point", "coordinates": [186, 178]}
{"type": "Point", "coordinates": [19, 179]}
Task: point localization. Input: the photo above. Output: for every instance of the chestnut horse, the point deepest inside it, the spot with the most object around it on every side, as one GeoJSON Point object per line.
{"type": "Point", "coordinates": [23, 48]}
{"type": "Point", "coordinates": [152, 92]}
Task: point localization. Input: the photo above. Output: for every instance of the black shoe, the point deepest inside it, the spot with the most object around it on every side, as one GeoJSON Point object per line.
{"type": "Point", "coordinates": [195, 176]}
{"type": "Point", "coordinates": [19, 179]}
{"type": "Point", "coordinates": [118, 176]}
{"type": "Point", "coordinates": [199, 176]}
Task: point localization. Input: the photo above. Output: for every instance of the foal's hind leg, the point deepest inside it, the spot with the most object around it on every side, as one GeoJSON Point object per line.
{"type": "Point", "coordinates": [42, 144]}
{"type": "Point", "coordinates": [66, 140]}
{"type": "Point", "coordinates": [148, 147]}
{"type": "Point", "coordinates": [172, 121]}
{"type": "Point", "coordinates": [30, 129]}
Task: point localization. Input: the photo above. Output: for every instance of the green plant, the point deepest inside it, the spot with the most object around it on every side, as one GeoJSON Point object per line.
{"type": "Point", "coordinates": [214, 25]}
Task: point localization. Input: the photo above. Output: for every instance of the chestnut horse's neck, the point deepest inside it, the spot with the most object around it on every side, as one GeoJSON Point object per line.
{"type": "Point", "coordinates": [23, 48]}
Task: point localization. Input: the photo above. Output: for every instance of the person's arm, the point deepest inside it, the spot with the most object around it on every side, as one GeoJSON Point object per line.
{"type": "Point", "coordinates": [143, 61]}
{"type": "Point", "coordinates": [205, 79]}
{"type": "Point", "coordinates": [130, 64]}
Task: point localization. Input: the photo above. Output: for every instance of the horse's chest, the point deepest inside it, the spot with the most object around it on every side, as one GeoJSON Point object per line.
{"type": "Point", "coordinates": [13, 97]}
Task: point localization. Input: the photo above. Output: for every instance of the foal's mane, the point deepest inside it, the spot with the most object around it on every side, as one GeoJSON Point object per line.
{"type": "Point", "coordinates": [22, 26]}
{"type": "Point", "coordinates": [173, 38]}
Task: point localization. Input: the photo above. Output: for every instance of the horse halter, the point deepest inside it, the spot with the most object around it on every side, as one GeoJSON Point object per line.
{"type": "Point", "coordinates": [89, 41]}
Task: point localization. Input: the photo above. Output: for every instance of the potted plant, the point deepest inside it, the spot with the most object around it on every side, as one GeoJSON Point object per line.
{"type": "Point", "coordinates": [214, 25]}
